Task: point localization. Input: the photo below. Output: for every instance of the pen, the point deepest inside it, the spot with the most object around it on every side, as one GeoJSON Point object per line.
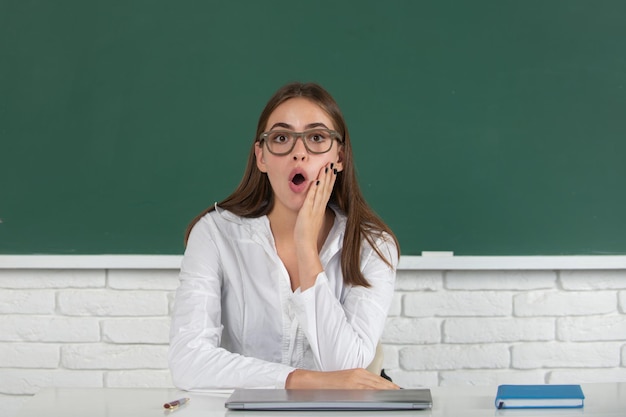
{"type": "Point", "coordinates": [175, 403]}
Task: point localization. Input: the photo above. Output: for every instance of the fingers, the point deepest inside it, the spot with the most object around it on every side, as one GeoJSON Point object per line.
{"type": "Point", "coordinates": [324, 186]}
{"type": "Point", "coordinates": [361, 379]}
{"type": "Point", "coordinates": [369, 380]}
{"type": "Point", "coordinates": [320, 190]}
{"type": "Point", "coordinates": [346, 379]}
{"type": "Point", "coordinates": [312, 213]}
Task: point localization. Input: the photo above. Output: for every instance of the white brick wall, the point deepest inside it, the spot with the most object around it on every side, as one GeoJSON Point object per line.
{"type": "Point", "coordinates": [91, 328]}
{"type": "Point", "coordinates": [491, 327]}
{"type": "Point", "coordinates": [109, 328]}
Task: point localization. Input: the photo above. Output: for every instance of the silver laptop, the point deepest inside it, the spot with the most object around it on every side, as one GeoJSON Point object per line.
{"type": "Point", "coordinates": [329, 399]}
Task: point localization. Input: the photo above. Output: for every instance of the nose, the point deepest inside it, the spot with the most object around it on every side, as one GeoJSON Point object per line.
{"type": "Point", "coordinates": [299, 151]}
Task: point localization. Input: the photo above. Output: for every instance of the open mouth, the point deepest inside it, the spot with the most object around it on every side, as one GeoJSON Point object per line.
{"type": "Point", "coordinates": [298, 179]}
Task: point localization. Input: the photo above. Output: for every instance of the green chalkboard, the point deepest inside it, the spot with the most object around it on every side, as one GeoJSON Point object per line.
{"type": "Point", "coordinates": [479, 127]}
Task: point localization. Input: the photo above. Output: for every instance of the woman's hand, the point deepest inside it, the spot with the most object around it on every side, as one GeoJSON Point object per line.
{"type": "Point", "coordinates": [346, 379]}
{"type": "Point", "coordinates": [310, 222]}
{"type": "Point", "coordinates": [311, 216]}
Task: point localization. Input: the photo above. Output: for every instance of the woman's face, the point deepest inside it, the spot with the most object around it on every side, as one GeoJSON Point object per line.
{"type": "Point", "coordinates": [291, 175]}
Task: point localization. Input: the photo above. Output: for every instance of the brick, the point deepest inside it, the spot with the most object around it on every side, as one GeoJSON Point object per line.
{"type": "Point", "coordinates": [102, 356]}
{"type": "Point", "coordinates": [30, 381]}
{"type": "Point", "coordinates": [29, 355]}
{"type": "Point", "coordinates": [411, 331]}
{"type": "Point", "coordinates": [113, 303]}
{"type": "Point", "coordinates": [141, 279]}
{"type": "Point", "coordinates": [138, 379]}
{"type": "Point", "coordinates": [27, 302]}
{"type": "Point", "coordinates": [593, 280]}
{"type": "Point", "coordinates": [491, 377]}
{"type": "Point", "coordinates": [497, 330]}
{"type": "Point", "coordinates": [415, 379]}
{"type": "Point", "coordinates": [622, 302]}
{"type": "Point", "coordinates": [410, 280]}
{"type": "Point", "coordinates": [49, 329]}
{"type": "Point", "coordinates": [586, 376]}
{"type": "Point", "coordinates": [444, 357]}
{"type": "Point", "coordinates": [565, 355]}
{"type": "Point", "coordinates": [553, 303]}
{"type": "Point", "coordinates": [500, 280]}
{"type": "Point", "coordinates": [136, 330]}
{"type": "Point", "coordinates": [12, 404]}
{"type": "Point", "coordinates": [458, 303]}
{"type": "Point", "coordinates": [594, 328]}
{"type": "Point", "coordinates": [52, 278]}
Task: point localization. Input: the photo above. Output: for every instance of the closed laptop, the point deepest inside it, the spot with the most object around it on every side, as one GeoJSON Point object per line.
{"type": "Point", "coordinates": [329, 399]}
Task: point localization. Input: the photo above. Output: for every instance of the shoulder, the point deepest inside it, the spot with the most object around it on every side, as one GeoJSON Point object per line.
{"type": "Point", "coordinates": [380, 246]}
{"type": "Point", "coordinates": [226, 217]}
{"type": "Point", "coordinates": [375, 243]}
{"type": "Point", "coordinates": [226, 223]}
{"type": "Point", "coordinates": [386, 244]}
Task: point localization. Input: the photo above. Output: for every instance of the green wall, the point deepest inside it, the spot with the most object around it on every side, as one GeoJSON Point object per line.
{"type": "Point", "coordinates": [483, 128]}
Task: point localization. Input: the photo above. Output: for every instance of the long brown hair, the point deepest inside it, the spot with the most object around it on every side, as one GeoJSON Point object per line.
{"type": "Point", "coordinates": [254, 196]}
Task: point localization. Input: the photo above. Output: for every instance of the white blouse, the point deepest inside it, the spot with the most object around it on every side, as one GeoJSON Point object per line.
{"type": "Point", "coordinates": [237, 323]}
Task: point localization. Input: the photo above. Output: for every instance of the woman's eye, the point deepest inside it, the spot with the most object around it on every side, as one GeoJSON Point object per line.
{"type": "Point", "coordinates": [280, 138]}
{"type": "Point", "coordinates": [317, 137]}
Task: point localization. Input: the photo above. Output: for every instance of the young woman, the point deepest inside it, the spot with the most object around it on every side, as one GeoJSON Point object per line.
{"type": "Point", "coordinates": [288, 281]}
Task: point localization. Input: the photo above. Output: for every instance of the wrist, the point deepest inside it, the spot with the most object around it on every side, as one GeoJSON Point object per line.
{"type": "Point", "coordinates": [297, 379]}
{"type": "Point", "coordinates": [309, 267]}
{"type": "Point", "coordinates": [306, 250]}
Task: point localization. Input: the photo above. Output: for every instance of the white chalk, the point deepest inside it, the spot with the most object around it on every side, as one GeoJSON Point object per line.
{"type": "Point", "coordinates": [437, 254]}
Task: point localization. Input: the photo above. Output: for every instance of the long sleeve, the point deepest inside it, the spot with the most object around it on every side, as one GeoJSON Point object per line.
{"type": "Point", "coordinates": [237, 323]}
{"type": "Point", "coordinates": [196, 359]}
{"type": "Point", "coordinates": [343, 332]}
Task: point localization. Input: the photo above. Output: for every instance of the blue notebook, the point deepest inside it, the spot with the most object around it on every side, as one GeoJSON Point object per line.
{"type": "Point", "coordinates": [539, 396]}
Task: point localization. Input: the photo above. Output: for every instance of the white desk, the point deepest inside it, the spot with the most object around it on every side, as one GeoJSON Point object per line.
{"type": "Point", "coordinates": [602, 400]}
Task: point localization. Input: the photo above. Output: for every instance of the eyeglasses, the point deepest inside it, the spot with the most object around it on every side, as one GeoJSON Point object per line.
{"type": "Point", "coordinates": [316, 141]}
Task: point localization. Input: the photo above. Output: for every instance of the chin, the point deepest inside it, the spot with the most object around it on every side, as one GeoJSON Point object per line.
{"type": "Point", "coordinates": [296, 206]}
{"type": "Point", "coordinates": [293, 204]}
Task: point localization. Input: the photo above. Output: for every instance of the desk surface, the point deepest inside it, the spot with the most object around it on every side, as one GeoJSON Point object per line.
{"type": "Point", "coordinates": [602, 400]}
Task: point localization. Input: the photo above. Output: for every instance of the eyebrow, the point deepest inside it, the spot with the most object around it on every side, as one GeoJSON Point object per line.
{"type": "Point", "coordinates": [290, 127]}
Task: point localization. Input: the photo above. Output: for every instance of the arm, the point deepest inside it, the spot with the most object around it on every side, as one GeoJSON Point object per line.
{"type": "Point", "coordinates": [196, 359]}
{"type": "Point", "coordinates": [343, 334]}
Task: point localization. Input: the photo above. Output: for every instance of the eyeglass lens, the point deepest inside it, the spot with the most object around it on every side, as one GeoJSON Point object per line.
{"type": "Point", "coordinates": [282, 142]}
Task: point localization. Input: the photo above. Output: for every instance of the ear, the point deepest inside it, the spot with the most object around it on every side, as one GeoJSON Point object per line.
{"type": "Point", "coordinates": [260, 160]}
{"type": "Point", "coordinates": [340, 159]}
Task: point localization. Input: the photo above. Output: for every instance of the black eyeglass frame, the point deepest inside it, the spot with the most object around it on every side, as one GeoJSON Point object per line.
{"type": "Point", "coordinates": [300, 135]}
